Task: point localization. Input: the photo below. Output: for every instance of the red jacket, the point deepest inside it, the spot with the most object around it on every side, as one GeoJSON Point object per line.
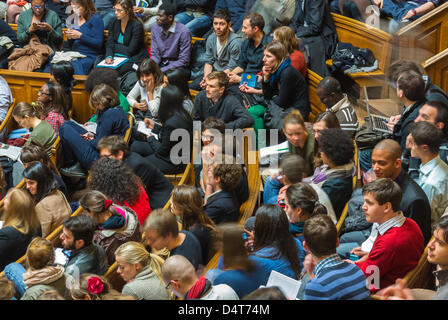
{"type": "Point", "coordinates": [395, 253]}
{"type": "Point", "coordinates": [141, 206]}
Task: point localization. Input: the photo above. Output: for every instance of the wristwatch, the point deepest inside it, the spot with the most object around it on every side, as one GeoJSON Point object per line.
{"type": "Point", "coordinates": [414, 12]}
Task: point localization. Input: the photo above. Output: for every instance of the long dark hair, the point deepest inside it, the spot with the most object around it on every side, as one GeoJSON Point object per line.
{"type": "Point", "coordinates": [179, 79]}
{"type": "Point", "coordinates": [272, 230]}
{"type": "Point", "coordinates": [46, 183]}
{"type": "Point", "coordinates": [63, 72]}
{"type": "Point", "coordinates": [115, 179]}
{"type": "Point", "coordinates": [59, 103]}
{"type": "Point", "coordinates": [171, 100]}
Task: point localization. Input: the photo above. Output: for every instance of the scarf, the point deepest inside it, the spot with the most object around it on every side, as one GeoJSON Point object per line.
{"type": "Point", "coordinates": [198, 289]}
{"type": "Point", "coordinates": [296, 228]}
{"type": "Point", "coordinates": [45, 275]}
{"type": "Point", "coordinates": [275, 77]}
{"type": "Point", "coordinates": [114, 222]}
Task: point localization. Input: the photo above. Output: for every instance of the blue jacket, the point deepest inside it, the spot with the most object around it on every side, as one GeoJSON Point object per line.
{"type": "Point", "coordinates": [110, 122]}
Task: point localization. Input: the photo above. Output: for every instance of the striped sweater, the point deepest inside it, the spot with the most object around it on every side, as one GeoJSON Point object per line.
{"type": "Point", "coordinates": [340, 281]}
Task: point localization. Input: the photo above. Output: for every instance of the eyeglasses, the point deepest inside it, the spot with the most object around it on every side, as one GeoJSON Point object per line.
{"type": "Point", "coordinates": [169, 284]}
{"type": "Point", "coordinates": [37, 7]}
{"type": "Point", "coordinates": [40, 92]}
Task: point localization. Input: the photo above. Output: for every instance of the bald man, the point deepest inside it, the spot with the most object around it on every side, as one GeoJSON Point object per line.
{"type": "Point", "coordinates": [386, 163]}
{"type": "Point", "coordinates": [179, 275]}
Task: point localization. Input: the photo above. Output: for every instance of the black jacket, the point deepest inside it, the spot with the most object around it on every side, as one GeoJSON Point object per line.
{"type": "Point", "coordinates": [316, 14]}
{"type": "Point", "coordinates": [290, 92]}
{"type": "Point", "coordinates": [339, 190]}
{"type": "Point", "coordinates": [157, 186]}
{"type": "Point", "coordinates": [222, 207]}
{"type": "Point", "coordinates": [401, 128]}
{"type": "Point", "coordinates": [228, 108]}
{"type": "Point", "coordinates": [133, 45]}
{"type": "Point", "coordinates": [13, 244]}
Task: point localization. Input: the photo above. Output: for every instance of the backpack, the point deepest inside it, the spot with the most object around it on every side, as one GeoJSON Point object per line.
{"type": "Point", "coordinates": [367, 138]}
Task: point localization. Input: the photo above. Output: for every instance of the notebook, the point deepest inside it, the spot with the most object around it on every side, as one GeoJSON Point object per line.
{"type": "Point", "coordinates": [118, 61]}
{"type": "Point", "coordinates": [249, 79]}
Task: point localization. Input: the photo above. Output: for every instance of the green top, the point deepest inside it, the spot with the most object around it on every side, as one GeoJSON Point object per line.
{"type": "Point", "coordinates": [44, 134]}
{"type": "Point", "coordinates": [123, 103]}
{"type": "Point", "coordinates": [307, 153]}
{"type": "Point", "coordinates": [53, 38]}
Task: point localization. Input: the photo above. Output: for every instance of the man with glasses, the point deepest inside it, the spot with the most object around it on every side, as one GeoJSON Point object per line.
{"type": "Point", "coordinates": [42, 22]}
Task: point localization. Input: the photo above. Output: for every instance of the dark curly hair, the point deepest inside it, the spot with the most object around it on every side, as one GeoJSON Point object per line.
{"type": "Point", "coordinates": [230, 173]}
{"type": "Point", "coordinates": [115, 179]}
{"type": "Point", "coordinates": [337, 146]}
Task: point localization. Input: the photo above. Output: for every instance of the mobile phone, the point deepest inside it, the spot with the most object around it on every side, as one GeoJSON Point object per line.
{"type": "Point", "coordinates": [245, 240]}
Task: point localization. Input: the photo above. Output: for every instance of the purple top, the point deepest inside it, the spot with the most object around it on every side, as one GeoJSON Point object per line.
{"type": "Point", "coordinates": [171, 50]}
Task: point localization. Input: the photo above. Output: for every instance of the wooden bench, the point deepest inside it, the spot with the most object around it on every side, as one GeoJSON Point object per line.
{"type": "Point", "coordinates": [436, 68]}
{"type": "Point", "coordinates": [425, 37]}
{"type": "Point", "coordinates": [364, 36]}
{"type": "Point", "coordinates": [315, 104]}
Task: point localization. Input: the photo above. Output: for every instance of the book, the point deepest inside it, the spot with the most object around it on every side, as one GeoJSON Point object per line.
{"type": "Point", "coordinates": [12, 152]}
{"type": "Point", "coordinates": [118, 61]}
{"type": "Point", "coordinates": [90, 126]}
{"type": "Point", "coordinates": [142, 4]}
{"type": "Point", "coordinates": [289, 286]}
{"type": "Point", "coordinates": [249, 79]}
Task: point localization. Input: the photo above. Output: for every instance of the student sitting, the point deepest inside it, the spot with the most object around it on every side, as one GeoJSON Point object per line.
{"type": "Point", "coordinates": [331, 277]}
{"type": "Point", "coordinates": [221, 204]}
{"type": "Point", "coordinates": [28, 117]}
{"type": "Point", "coordinates": [117, 182]}
{"type": "Point", "coordinates": [179, 79]}
{"type": "Point", "coordinates": [126, 37]}
{"type": "Point", "coordinates": [41, 275]}
{"type": "Point", "coordinates": [85, 37]}
{"type": "Point", "coordinates": [162, 231]}
{"type": "Point", "coordinates": [172, 116]}
{"type": "Point", "coordinates": [51, 205]}
{"type": "Point", "coordinates": [62, 73]}
{"type": "Point", "coordinates": [157, 186]}
{"type": "Point", "coordinates": [116, 225]}
{"type": "Point", "coordinates": [141, 271]}
{"type": "Point", "coordinates": [20, 225]}
{"type": "Point", "coordinates": [55, 104]}
{"type": "Point", "coordinates": [235, 268]}
{"type": "Point", "coordinates": [83, 255]}
{"type": "Point", "coordinates": [399, 244]}
{"type": "Point", "coordinates": [187, 204]}
{"type": "Point", "coordinates": [179, 275]}
{"type": "Point", "coordinates": [337, 151]}
{"type": "Point", "coordinates": [42, 22]}
{"type": "Point", "coordinates": [170, 41]}
{"type": "Point", "coordinates": [218, 101]}
{"type": "Point", "coordinates": [149, 88]}
{"type": "Point", "coordinates": [92, 287]}
{"type": "Point", "coordinates": [79, 146]}
{"type": "Point", "coordinates": [286, 36]}
{"type": "Point", "coordinates": [274, 248]}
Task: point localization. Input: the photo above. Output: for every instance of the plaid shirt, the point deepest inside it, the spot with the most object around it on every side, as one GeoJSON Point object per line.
{"type": "Point", "coordinates": [55, 120]}
{"type": "Point", "coordinates": [329, 261]}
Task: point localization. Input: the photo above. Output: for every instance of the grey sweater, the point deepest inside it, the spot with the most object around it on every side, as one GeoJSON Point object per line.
{"type": "Point", "coordinates": [229, 55]}
{"type": "Point", "coordinates": [146, 286]}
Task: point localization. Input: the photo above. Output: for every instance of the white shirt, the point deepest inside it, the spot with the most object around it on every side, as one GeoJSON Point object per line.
{"type": "Point", "coordinates": [396, 221]}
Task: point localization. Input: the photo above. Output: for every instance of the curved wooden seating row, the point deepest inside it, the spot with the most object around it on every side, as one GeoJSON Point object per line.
{"type": "Point", "coordinates": [436, 68]}
{"type": "Point", "coordinates": [7, 123]}
{"type": "Point", "coordinates": [364, 36]}
{"type": "Point", "coordinates": [315, 104]}
{"type": "Point", "coordinates": [342, 218]}
{"type": "Point", "coordinates": [425, 37]}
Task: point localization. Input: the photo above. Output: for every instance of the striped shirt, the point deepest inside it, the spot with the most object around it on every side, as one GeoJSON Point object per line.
{"type": "Point", "coordinates": [346, 115]}
{"type": "Point", "coordinates": [336, 279]}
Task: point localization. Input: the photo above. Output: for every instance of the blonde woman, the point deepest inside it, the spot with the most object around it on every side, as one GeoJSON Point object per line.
{"type": "Point", "coordinates": [141, 271]}
{"type": "Point", "coordinates": [20, 225]}
{"type": "Point", "coordinates": [41, 273]}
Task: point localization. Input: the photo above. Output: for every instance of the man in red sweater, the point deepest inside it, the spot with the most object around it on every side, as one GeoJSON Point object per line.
{"type": "Point", "coordinates": [399, 243]}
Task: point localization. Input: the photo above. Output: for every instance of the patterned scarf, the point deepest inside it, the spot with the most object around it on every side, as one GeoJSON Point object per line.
{"type": "Point", "coordinates": [198, 289]}
{"type": "Point", "coordinates": [45, 275]}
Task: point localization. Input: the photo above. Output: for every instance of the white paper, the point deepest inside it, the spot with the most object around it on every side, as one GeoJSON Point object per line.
{"type": "Point", "coordinates": [141, 127]}
{"type": "Point", "coordinates": [269, 155]}
{"type": "Point", "coordinates": [116, 62]}
{"type": "Point", "coordinates": [289, 286]}
{"type": "Point", "coordinates": [1, 224]}
{"type": "Point", "coordinates": [60, 257]}
{"type": "Point", "coordinates": [12, 152]}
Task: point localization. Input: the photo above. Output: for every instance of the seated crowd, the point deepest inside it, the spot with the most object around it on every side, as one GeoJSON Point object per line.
{"type": "Point", "coordinates": [100, 203]}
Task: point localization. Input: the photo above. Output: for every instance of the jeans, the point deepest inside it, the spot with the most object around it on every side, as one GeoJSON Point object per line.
{"type": "Point", "coordinates": [108, 15]}
{"type": "Point", "coordinates": [271, 190]}
{"type": "Point", "coordinates": [197, 26]}
{"type": "Point", "coordinates": [71, 141]}
{"type": "Point", "coordinates": [350, 240]}
{"type": "Point", "coordinates": [398, 9]}
{"type": "Point", "coordinates": [365, 159]}
{"type": "Point", "coordinates": [14, 272]}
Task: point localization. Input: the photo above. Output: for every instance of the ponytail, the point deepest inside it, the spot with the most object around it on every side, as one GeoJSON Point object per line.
{"type": "Point", "coordinates": [302, 195]}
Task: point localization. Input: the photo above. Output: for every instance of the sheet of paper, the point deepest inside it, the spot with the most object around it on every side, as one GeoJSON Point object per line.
{"type": "Point", "coordinates": [289, 286]}
{"type": "Point", "coordinates": [1, 224]}
{"type": "Point", "coordinates": [116, 63]}
{"type": "Point", "coordinates": [12, 152]}
{"type": "Point", "coordinates": [90, 126]}
{"type": "Point", "coordinates": [141, 127]}
{"type": "Point", "coordinates": [60, 257]}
